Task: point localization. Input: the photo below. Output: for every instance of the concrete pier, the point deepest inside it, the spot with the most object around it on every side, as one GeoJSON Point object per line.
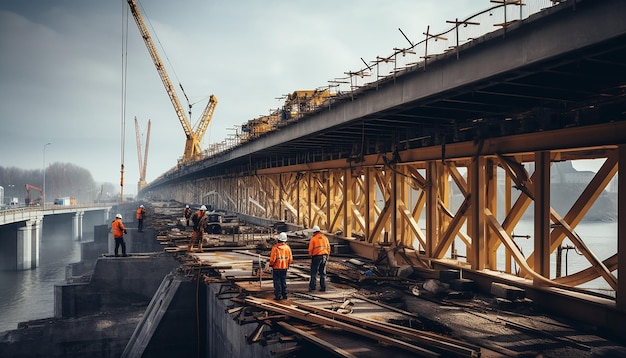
{"type": "Point", "coordinates": [28, 238]}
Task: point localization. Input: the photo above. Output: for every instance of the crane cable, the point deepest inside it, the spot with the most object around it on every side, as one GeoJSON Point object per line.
{"type": "Point", "coordinates": [124, 78]}
{"type": "Point", "coordinates": [170, 65]}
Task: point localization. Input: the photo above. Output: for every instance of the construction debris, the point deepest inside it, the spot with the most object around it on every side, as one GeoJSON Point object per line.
{"type": "Point", "coordinates": [370, 308]}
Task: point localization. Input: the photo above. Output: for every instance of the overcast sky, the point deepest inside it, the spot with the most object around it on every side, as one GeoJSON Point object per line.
{"type": "Point", "coordinates": [61, 69]}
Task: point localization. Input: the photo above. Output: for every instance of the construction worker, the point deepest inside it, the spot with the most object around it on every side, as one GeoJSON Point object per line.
{"type": "Point", "coordinates": [199, 219]}
{"type": "Point", "coordinates": [141, 212]}
{"type": "Point", "coordinates": [118, 230]}
{"type": "Point", "coordinates": [319, 249]}
{"type": "Point", "coordinates": [187, 213]}
{"type": "Point", "coordinates": [280, 259]}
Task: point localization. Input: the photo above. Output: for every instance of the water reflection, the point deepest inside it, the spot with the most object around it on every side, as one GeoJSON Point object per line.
{"type": "Point", "coordinates": [28, 295]}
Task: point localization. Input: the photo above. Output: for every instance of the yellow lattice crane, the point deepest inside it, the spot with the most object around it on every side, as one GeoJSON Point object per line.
{"type": "Point", "coordinates": [193, 151]}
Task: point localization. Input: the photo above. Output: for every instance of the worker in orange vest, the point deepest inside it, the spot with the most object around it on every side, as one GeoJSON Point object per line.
{"type": "Point", "coordinates": [187, 213]}
{"type": "Point", "coordinates": [280, 259]}
{"type": "Point", "coordinates": [199, 219]}
{"type": "Point", "coordinates": [118, 230]}
{"type": "Point", "coordinates": [319, 250]}
{"type": "Point", "coordinates": [141, 212]}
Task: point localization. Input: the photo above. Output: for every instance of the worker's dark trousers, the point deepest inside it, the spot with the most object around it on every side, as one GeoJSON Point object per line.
{"type": "Point", "coordinates": [318, 266]}
{"type": "Point", "coordinates": [139, 225]}
{"type": "Point", "coordinates": [280, 283]}
{"type": "Point", "coordinates": [119, 241]}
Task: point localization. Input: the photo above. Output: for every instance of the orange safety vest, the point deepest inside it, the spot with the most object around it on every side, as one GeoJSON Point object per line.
{"type": "Point", "coordinates": [117, 228]}
{"type": "Point", "coordinates": [140, 212]}
{"type": "Point", "coordinates": [281, 257]}
{"type": "Point", "coordinates": [199, 219]}
{"type": "Point", "coordinates": [319, 245]}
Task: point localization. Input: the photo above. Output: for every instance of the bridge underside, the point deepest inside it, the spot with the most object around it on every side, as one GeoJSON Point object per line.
{"type": "Point", "coordinates": [448, 177]}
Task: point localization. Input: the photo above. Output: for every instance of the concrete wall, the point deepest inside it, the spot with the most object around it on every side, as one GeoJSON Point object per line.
{"type": "Point", "coordinates": [116, 282]}
{"type": "Point", "coordinates": [188, 319]}
{"type": "Point", "coordinates": [103, 337]}
{"type": "Point", "coordinates": [225, 336]}
{"type": "Point", "coordinates": [173, 323]}
{"type": "Point", "coordinates": [89, 252]}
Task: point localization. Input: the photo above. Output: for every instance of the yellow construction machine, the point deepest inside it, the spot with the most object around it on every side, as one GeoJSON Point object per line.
{"type": "Point", "coordinates": [193, 151]}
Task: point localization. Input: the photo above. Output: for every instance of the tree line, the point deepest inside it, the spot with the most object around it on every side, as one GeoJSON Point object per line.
{"type": "Point", "coordinates": [62, 180]}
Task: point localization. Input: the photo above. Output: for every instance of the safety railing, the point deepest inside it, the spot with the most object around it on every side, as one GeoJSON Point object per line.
{"type": "Point", "coordinates": [415, 53]}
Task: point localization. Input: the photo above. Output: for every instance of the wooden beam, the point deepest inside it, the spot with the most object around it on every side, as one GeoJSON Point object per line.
{"type": "Point", "coordinates": [315, 318]}
{"type": "Point", "coordinates": [330, 348]}
{"type": "Point", "coordinates": [442, 344]}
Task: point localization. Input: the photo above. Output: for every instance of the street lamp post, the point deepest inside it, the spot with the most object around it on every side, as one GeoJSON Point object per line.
{"type": "Point", "coordinates": [43, 191]}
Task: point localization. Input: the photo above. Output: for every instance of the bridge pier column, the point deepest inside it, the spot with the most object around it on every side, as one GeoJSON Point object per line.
{"type": "Point", "coordinates": [107, 215]}
{"type": "Point", "coordinates": [77, 225]}
{"type": "Point", "coordinates": [28, 239]}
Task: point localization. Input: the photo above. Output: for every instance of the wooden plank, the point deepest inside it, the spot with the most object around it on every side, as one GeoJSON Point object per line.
{"type": "Point", "coordinates": [330, 348]}
{"type": "Point", "coordinates": [411, 314]}
{"type": "Point", "coordinates": [315, 318]}
{"type": "Point", "coordinates": [434, 341]}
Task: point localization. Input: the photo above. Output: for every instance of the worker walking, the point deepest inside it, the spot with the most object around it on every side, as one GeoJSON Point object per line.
{"type": "Point", "coordinates": [199, 219]}
{"type": "Point", "coordinates": [280, 259]}
{"type": "Point", "coordinates": [187, 213]}
{"type": "Point", "coordinates": [141, 212]}
{"type": "Point", "coordinates": [118, 230]}
{"type": "Point", "coordinates": [319, 250]}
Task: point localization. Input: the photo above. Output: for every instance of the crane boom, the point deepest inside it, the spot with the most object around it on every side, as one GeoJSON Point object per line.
{"type": "Point", "coordinates": [143, 164]}
{"type": "Point", "coordinates": [192, 144]}
{"type": "Point", "coordinates": [145, 154]}
{"type": "Point", "coordinates": [139, 156]}
{"type": "Point", "coordinates": [205, 119]}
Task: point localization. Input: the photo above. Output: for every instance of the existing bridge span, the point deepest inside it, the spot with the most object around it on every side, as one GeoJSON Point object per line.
{"type": "Point", "coordinates": [22, 229]}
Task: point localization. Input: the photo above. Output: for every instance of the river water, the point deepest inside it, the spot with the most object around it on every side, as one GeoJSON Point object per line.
{"type": "Point", "coordinates": [29, 295]}
{"type": "Point", "coordinates": [600, 238]}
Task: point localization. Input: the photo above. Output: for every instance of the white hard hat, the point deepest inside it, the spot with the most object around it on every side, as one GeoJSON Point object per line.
{"type": "Point", "coordinates": [203, 207]}
{"type": "Point", "coordinates": [119, 216]}
{"type": "Point", "coordinates": [141, 206]}
{"type": "Point", "coordinates": [186, 206]}
{"type": "Point", "coordinates": [316, 228]}
{"type": "Point", "coordinates": [282, 237]}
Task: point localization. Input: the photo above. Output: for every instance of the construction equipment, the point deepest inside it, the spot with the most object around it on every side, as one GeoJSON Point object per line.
{"type": "Point", "coordinates": [99, 196]}
{"type": "Point", "coordinates": [29, 200]}
{"type": "Point", "coordinates": [143, 164]}
{"type": "Point", "coordinates": [193, 151]}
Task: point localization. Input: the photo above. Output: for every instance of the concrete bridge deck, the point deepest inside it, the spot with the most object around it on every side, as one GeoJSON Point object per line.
{"type": "Point", "coordinates": [560, 68]}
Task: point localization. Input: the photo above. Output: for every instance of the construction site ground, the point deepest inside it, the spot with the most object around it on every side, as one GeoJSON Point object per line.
{"type": "Point", "coordinates": [369, 309]}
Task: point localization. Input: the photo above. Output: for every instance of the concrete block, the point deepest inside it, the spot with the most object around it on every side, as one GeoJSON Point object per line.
{"type": "Point", "coordinates": [449, 275]}
{"type": "Point", "coordinates": [508, 292]}
{"type": "Point", "coordinates": [462, 284]}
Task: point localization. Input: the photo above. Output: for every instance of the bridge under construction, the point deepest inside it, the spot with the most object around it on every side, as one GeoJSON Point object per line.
{"type": "Point", "coordinates": [441, 154]}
